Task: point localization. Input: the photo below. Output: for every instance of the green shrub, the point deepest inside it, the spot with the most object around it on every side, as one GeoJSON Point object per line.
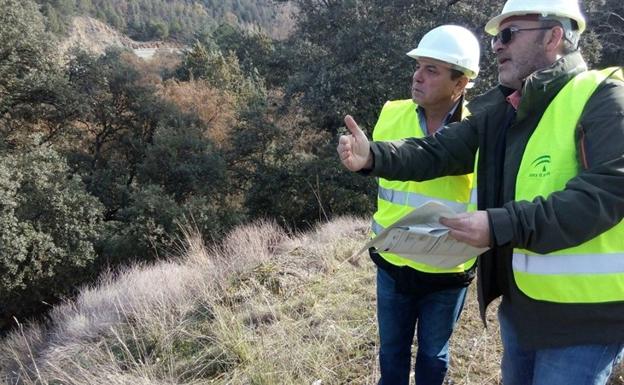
{"type": "Point", "coordinates": [48, 228]}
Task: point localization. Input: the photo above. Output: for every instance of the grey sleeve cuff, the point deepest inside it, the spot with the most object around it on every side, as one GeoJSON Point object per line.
{"type": "Point", "coordinates": [376, 155]}
{"type": "Point", "coordinates": [501, 227]}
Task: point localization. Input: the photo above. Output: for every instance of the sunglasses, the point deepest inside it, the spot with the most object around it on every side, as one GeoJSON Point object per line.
{"type": "Point", "coordinates": [506, 35]}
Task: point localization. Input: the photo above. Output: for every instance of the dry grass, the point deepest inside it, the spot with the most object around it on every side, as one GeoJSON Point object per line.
{"type": "Point", "coordinates": [263, 308]}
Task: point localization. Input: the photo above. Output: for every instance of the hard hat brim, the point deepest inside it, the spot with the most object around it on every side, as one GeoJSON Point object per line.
{"type": "Point", "coordinates": [417, 53]}
{"type": "Point", "coordinates": [492, 27]}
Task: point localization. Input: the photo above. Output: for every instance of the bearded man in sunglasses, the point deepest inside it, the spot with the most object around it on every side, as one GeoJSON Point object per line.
{"type": "Point", "coordinates": [548, 144]}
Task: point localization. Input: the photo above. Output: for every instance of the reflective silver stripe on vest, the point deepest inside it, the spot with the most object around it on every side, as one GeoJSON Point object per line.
{"type": "Point", "coordinates": [376, 228]}
{"type": "Point", "coordinates": [569, 264]}
{"type": "Point", "coordinates": [416, 200]}
{"type": "Point", "coordinates": [473, 196]}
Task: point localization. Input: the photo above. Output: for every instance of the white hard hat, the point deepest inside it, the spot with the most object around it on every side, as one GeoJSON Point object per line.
{"type": "Point", "coordinates": [451, 44]}
{"type": "Point", "coordinates": [561, 8]}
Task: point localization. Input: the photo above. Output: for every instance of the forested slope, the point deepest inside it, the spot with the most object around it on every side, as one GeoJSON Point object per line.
{"type": "Point", "coordinates": [179, 20]}
{"type": "Point", "coordinates": [105, 158]}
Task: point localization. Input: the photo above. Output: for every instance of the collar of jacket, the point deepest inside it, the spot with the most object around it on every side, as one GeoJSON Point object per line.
{"type": "Point", "coordinates": [459, 111]}
{"type": "Point", "coordinates": [542, 86]}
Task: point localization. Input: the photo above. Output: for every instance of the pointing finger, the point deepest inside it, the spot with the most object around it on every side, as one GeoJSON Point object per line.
{"type": "Point", "coordinates": [353, 126]}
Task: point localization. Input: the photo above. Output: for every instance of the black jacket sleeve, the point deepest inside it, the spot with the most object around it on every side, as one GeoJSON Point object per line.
{"type": "Point", "coordinates": [450, 151]}
{"type": "Point", "coordinates": [592, 202]}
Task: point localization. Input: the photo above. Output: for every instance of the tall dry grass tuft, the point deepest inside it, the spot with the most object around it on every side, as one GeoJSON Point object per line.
{"type": "Point", "coordinates": [89, 332]}
{"type": "Point", "coordinates": [262, 307]}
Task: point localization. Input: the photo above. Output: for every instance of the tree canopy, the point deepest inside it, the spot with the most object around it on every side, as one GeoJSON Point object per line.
{"type": "Point", "coordinates": [164, 19]}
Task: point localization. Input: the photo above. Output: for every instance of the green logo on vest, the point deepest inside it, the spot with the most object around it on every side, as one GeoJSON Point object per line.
{"type": "Point", "coordinates": [540, 167]}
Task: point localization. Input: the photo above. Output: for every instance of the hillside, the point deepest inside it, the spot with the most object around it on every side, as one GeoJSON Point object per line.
{"type": "Point", "coordinates": [104, 158]}
{"type": "Point", "coordinates": [95, 36]}
{"type": "Point", "coordinates": [264, 307]}
{"type": "Point", "coordinates": [172, 20]}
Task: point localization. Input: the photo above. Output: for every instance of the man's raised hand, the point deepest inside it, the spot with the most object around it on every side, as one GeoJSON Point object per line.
{"type": "Point", "coordinates": [354, 149]}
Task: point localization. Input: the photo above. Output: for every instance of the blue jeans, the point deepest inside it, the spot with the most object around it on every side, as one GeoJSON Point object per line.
{"type": "Point", "coordinates": [397, 315]}
{"type": "Point", "coordinates": [571, 365]}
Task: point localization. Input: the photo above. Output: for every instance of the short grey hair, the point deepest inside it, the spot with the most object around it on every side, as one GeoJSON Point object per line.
{"type": "Point", "coordinates": [571, 34]}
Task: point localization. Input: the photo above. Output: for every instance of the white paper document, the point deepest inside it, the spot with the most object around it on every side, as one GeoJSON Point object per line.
{"type": "Point", "coordinates": [420, 236]}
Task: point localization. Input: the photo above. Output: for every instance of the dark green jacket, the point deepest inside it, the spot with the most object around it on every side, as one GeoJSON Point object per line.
{"type": "Point", "coordinates": [591, 203]}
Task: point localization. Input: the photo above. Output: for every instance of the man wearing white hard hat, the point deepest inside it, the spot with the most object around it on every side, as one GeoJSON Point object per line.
{"type": "Point", "coordinates": [549, 148]}
{"type": "Point", "coordinates": [411, 293]}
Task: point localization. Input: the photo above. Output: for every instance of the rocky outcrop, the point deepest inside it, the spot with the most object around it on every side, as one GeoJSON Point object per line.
{"type": "Point", "coordinates": [96, 36]}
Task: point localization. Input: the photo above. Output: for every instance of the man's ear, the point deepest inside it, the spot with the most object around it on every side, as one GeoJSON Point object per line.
{"type": "Point", "coordinates": [460, 84]}
{"type": "Point", "coordinates": [554, 38]}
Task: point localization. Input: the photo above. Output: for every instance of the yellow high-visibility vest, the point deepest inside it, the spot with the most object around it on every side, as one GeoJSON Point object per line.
{"type": "Point", "coordinates": [473, 202]}
{"type": "Point", "coordinates": [395, 199]}
{"type": "Point", "coordinates": [592, 272]}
